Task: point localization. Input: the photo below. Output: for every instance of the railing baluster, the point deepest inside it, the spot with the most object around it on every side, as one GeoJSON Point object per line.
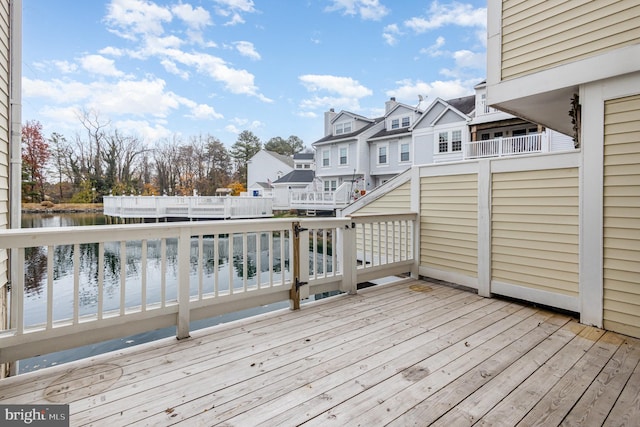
{"type": "Point", "coordinates": [163, 272]}
{"type": "Point", "coordinates": [50, 261]}
{"type": "Point", "coordinates": [143, 280]}
{"type": "Point", "coordinates": [282, 264]}
{"type": "Point", "coordinates": [123, 275]}
{"type": "Point", "coordinates": [76, 282]}
{"type": "Point", "coordinates": [325, 244]}
{"type": "Point", "coordinates": [216, 265]}
{"type": "Point", "coordinates": [259, 259]}
{"type": "Point", "coordinates": [230, 263]}
{"type": "Point", "coordinates": [270, 258]}
{"type": "Point", "coordinates": [17, 295]}
{"type": "Point", "coordinates": [200, 267]}
{"type": "Point", "coordinates": [245, 265]}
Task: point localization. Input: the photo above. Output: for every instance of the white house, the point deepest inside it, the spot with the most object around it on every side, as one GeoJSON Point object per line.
{"type": "Point", "coordinates": [265, 168]}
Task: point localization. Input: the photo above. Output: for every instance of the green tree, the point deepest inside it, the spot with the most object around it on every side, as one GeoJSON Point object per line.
{"type": "Point", "coordinates": [286, 147]}
{"type": "Point", "coordinates": [246, 146]}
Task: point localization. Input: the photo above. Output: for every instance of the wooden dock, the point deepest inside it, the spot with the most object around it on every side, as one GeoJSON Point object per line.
{"type": "Point", "coordinates": [407, 353]}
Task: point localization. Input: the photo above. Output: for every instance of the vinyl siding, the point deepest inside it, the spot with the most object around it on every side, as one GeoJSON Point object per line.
{"type": "Point", "coordinates": [4, 131]}
{"type": "Point", "coordinates": [541, 34]}
{"type": "Point", "coordinates": [396, 200]}
{"type": "Point", "coordinates": [449, 223]}
{"type": "Point", "coordinates": [534, 229]}
{"type": "Point", "coordinates": [621, 252]}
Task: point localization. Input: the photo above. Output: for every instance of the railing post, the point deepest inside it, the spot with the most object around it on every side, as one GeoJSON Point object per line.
{"type": "Point", "coordinates": [294, 292]}
{"type": "Point", "coordinates": [184, 258]}
{"type": "Point", "coordinates": [348, 259]}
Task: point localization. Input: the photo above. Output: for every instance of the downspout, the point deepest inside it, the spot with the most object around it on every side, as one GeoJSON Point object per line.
{"type": "Point", "coordinates": [15, 140]}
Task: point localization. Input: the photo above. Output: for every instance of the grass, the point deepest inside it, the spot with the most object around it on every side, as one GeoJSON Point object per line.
{"type": "Point", "coordinates": [62, 207]}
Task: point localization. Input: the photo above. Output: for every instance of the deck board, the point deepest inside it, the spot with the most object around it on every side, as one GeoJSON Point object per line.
{"type": "Point", "coordinates": [406, 353]}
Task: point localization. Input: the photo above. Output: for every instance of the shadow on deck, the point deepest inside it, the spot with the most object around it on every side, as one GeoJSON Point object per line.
{"type": "Point", "coordinates": [405, 353]}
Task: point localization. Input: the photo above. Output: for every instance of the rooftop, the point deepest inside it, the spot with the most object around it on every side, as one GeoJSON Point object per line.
{"type": "Point", "coordinates": [405, 353]}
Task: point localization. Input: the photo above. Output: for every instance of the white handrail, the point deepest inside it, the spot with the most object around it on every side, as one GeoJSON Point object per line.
{"type": "Point", "coordinates": [509, 146]}
{"type": "Point", "coordinates": [192, 283]}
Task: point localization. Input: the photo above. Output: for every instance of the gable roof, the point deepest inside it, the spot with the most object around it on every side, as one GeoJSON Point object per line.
{"type": "Point", "coordinates": [466, 104]}
{"type": "Point", "coordinates": [352, 115]}
{"type": "Point", "coordinates": [288, 160]}
{"type": "Point", "coordinates": [303, 156]}
{"type": "Point", "coordinates": [334, 138]}
{"type": "Point", "coordinates": [297, 176]}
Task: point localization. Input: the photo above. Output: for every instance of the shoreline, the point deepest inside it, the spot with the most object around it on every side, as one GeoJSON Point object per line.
{"type": "Point", "coordinates": [62, 208]}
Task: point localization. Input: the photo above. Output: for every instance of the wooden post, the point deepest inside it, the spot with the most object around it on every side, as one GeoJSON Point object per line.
{"type": "Point", "coordinates": [294, 293]}
{"type": "Point", "coordinates": [184, 255]}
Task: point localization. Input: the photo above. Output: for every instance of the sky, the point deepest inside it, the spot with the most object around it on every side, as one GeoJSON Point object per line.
{"type": "Point", "coordinates": [166, 69]}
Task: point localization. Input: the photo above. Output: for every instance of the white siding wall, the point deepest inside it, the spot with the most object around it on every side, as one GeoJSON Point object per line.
{"type": "Point", "coordinates": [541, 34]}
{"type": "Point", "coordinates": [621, 193]}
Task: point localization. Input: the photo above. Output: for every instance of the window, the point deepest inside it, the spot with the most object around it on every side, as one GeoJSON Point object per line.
{"type": "Point", "coordinates": [395, 123]}
{"type": "Point", "coordinates": [330, 185]}
{"type": "Point", "coordinates": [443, 142]}
{"type": "Point", "coordinates": [325, 158]}
{"type": "Point", "coordinates": [343, 156]}
{"type": "Point", "coordinates": [485, 137]}
{"type": "Point", "coordinates": [341, 128]}
{"type": "Point", "coordinates": [307, 166]}
{"type": "Point", "coordinates": [404, 152]}
{"type": "Point", "coordinates": [298, 166]}
{"type": "Point", "coordinates": [405, 122]}
{"type": "Point", "coordinates": [497, 135]}
{"type": "Point", "coordinates": [456, 140]}
{"type": "Point", "coordinates": [382, 154]}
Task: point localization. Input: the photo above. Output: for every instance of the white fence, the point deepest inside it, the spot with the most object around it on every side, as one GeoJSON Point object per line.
{"type": "Point", "coordinates": [188, 207]}
{"type": "Point", "coordinates": [498, 147]}
{"type": "Point", "coordinates": [202, 269]}
{"type": "Point", "coordinates": [322, 200]}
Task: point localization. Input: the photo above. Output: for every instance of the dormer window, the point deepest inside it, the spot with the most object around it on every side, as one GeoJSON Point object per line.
{"type": "Point", "coordinates": [342, 128]}
{"type": "Point", "coordinates": [400, 122]}
{"type": "Point", "coordinates": [395, 123]}
{"type": "Point", "coordinates": [405, 122]}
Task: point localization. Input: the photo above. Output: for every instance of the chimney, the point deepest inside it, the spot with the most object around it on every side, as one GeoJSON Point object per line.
{"type": "Point", "coordinates": [328, 117]}
{"type": "Point", "coordinates": [390, 104]}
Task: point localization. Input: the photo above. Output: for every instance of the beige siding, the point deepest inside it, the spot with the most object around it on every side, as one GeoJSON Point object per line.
{"type": "Point", "coordinates": [534, 228]}
{"type": "Point", "coordinates": [449, 223]}
{"type": "Point", "coordinates": [541, 34]}
{"type": "Point", "coordinates": [4, 130]}
{"type": "Point", "coordinates": [622, 216]}
{"type": "Point", "coordinates": [396, 200]}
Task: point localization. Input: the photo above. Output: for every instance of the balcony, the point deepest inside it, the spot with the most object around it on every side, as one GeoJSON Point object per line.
{"type": "Point", "coordinates": [342, 197]}
{"type": "Point", "coordinates": [510, 146]}
{"type": "Point", "coordinates": [188, 207]}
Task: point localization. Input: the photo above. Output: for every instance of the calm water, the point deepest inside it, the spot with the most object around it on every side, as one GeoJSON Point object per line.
{"type": "Point", "coordinates": [35, 283]}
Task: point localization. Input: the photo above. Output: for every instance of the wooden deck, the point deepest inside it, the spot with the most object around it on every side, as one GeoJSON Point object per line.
{"type": "Point", "coordinates": [409, 353]}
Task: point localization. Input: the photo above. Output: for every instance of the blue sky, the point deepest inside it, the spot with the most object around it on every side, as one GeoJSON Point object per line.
{"type": "Point", "coordinates": [179, 68]}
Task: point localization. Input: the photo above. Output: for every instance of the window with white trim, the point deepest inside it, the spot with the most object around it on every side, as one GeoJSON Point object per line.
{"type": "Point", "coordinates": [456, 140]}
{"type": "Point", "coordinates": [443, 142]}
{"type": "Point", "coordinates": [325, 158]}
{"type": "Point", "coordinates": [395, 123]}
{"type": "Point", "coordinates": [383, 154]}
{"type": "Point", "coordinates": [330, 185]}
{"type": "Point", "coordinates": [406, 121]}
{"type": "Point", "coordinates": [343, 156]}
{"type": "Point", "coordinates": [404, 152]}
{"type": "Point", "coordinates": [341, 128]}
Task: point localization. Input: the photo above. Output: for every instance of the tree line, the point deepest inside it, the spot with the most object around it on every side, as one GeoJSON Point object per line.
{"type": "Point", "coordinates": [100, 160]}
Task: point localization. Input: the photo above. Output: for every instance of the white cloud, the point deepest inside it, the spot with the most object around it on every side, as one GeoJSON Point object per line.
{"type": "Point", "coordinates": [247, 49]}
{"type": "Point", "coordinates": [65, 67]}
{"type": "Point", "coordinates": [137, 17]}
{"type": "Point", "coordinates": [389, 34]}
{"type": "Point", "coordinates": [468, 59]}
{"type": "Point", "coordinates": [439, 15]}
{"type": "Point", "coordinates": [111, 51]}
{"type": "Point", "coordinates": [408, 90]}
{"type": "Point", "coordinates": [172, 68]}
{"type": "Point", "coordinates": [434, 49]}
{"type": "Point", "coordinates": [234, 9]}
{"type": "Point", "coordinates": [98, 64]}
{"type": "Point", "coordinates": [367, 9]}
{"type": "Point", "coordinates": [194, 18]}
{"type": "Point", "coordinates": [204, 112]}
{"type": "Point", "coordinates": [148, 132]}
{"type": "Point", "coordinates": [345, 86]}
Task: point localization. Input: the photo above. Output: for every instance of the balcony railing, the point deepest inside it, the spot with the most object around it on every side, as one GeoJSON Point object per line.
{"type": "Point", "coordinates": [266, 261]}
{"type": "Point", "coordinates": [510, 146]}
{"type": "Point", "coordinates": [188, 207]}
{"type": "Point", "coordinates": [341, 197]}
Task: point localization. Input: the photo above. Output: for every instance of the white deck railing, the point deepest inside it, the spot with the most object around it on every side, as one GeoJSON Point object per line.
{"type": "Point", "coordinates": [340, 198]}
{"type": "Point", "coordinates": [188, 207]}
{"type": "Point", "coordinates": [190, 281]}
{"type": "Point", "coordinates": [498, 147]}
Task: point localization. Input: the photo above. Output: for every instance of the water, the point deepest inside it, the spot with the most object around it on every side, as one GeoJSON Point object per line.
{"type": "Point", "coordinates": [35, 281]}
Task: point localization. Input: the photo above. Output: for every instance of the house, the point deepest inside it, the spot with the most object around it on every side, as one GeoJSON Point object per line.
{"type": "Point", "coordinates": [574, 67]}
{"type": "Point", "coordinates": [301, 178]}
{"type": "Point", "coordinates": [559, 228]}
{"type": "Point", "coordinates": [264, 168]}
